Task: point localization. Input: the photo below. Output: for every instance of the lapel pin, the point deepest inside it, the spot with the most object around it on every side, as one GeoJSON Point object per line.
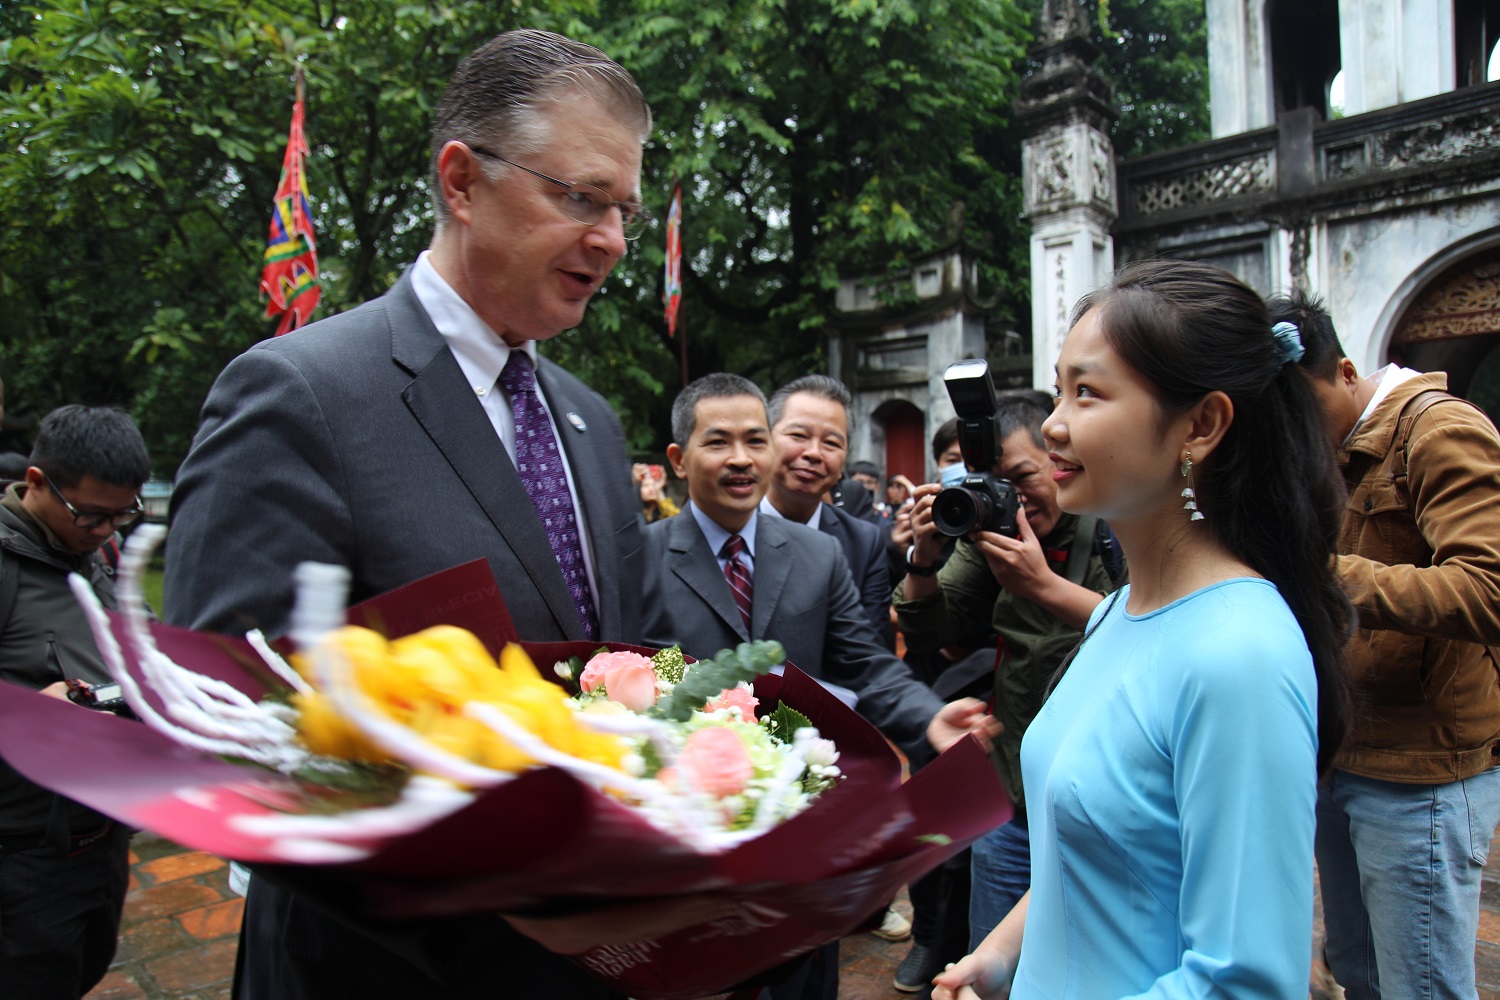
{"type": "Point", "coordinates": [577, 422]}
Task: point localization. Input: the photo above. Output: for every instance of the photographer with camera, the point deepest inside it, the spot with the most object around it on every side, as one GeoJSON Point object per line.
{"type": "Point", "coordinates": [64, 868]}
{"type": "Point", "coordinates": [1021, 582]}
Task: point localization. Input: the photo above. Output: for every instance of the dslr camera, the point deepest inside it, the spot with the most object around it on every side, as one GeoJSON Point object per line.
{"type": "Point", "coordinates": [982, 501]}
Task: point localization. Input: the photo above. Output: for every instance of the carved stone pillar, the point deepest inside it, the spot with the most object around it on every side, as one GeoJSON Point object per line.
{"type": "Point", "coordinates": [1069, 167]}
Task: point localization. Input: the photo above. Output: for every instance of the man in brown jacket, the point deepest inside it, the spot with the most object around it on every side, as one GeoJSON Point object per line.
{"type": "Point", "coordinates": [1406, 817]}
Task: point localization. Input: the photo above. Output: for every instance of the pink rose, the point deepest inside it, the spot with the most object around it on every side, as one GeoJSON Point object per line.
{"type": "Point", "coordinates": [739, 697]}
{"type": "Point", "coordinates": [715, 761]}
{"type": "Point", "coordinates": [628, 678]}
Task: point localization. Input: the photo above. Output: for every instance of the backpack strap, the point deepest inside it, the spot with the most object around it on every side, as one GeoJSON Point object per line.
{"type": "Point", "coordinates": [1415, 407]}
{"type": "Point", "coordinates": [10, 582]}
{"type": "Point", "coordinates": [1081, 549]}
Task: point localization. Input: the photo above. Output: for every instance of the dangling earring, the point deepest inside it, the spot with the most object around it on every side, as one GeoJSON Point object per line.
{"type": "Point", "coordinates": [1190, 498]}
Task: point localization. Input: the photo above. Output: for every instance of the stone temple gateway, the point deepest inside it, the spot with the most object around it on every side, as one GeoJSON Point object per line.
{"type": "Point", "coordinates": [1389, 210]}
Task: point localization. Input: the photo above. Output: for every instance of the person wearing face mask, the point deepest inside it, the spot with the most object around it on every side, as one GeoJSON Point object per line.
{"type": "Point", "coordinates": [1020, 604]}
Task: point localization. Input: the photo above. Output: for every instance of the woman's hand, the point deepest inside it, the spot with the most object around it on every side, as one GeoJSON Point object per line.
{"type": "Point", "coordinates": [984, 975]}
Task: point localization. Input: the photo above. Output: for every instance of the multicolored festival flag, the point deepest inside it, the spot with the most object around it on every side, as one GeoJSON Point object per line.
{"type": "Point", "coordinates": [290, 277]}
{"type": "Point", "coordinates": [673, 294]}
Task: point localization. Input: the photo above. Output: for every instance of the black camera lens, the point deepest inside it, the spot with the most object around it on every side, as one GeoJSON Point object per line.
{"type": "Point", "coordinates": [957, 511]}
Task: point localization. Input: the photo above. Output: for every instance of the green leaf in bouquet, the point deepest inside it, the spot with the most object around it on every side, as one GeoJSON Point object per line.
{"type": "Point", "coordinates": [783, 723]}
{"type": "Point", "coordinates": [707, 678]}
{"type": "Point", "coordinates": [334, 786]}
{"type": "Point", "coordinates": [669, 664]}
{"type": "Point", "coordinates": [650, 758]}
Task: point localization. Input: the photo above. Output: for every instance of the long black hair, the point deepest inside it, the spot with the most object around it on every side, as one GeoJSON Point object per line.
{"type": "Point", "coordinates": [1270, 492]}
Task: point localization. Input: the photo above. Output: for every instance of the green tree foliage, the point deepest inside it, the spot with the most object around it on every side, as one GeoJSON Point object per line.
{"type": "Point", "coordinates": [1156, 52]}
{"type": "Point", "coordinates": [140, 146]}
{"type": "Point", "coordinates": [813, 139]}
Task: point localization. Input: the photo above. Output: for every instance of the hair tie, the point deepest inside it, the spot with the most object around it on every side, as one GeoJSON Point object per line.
{"type": "Point", "coordinates": [1288, 342]}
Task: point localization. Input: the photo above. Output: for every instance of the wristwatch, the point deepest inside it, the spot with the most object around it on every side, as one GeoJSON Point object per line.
{"type": "Point", "coordinates": [918, 570]}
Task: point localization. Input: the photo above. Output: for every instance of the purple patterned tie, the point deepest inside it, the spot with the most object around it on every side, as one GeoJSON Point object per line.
{"type": "Point", "coordinates": [539, 462]}
{"type": "Point", "coordinates": [738, 576]}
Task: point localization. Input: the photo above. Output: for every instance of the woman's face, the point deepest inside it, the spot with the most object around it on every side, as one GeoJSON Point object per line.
{"type": "Point", "coordinates": [1113, 457]}
{"type": "Point", "coordinates": [896, 494]}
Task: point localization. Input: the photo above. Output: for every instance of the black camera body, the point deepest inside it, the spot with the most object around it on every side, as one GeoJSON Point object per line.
{"type": "Point", "coordinates": [983, 501]}
{"type": "Point", "coordinates": [103, 697]}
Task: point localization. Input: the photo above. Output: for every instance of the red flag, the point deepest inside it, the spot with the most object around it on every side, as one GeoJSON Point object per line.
{"type": "Point", "coordinates": [673, 294]}
{"type": "Point", "coordinates": [290, 277]}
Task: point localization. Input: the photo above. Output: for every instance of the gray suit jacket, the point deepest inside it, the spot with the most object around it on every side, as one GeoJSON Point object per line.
{"type": "Point", "coordinates": [864, 547]}
{"type": "Point", "coordinates": [804, 598]}
{"type": "Point", "coordinates": [358, 441]}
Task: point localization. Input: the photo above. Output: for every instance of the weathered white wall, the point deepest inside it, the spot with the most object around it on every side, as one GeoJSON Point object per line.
{"type": "Point", "coordinates": [1374, 266]}
{"type": "Point", "coordinates": [1394, 51]}
{"type": "Point", "coordinates": [1239, 66]}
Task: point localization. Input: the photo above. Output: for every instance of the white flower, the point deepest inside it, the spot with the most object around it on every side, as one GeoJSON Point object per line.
{"type": "Point", "coordinates": [820, 753]}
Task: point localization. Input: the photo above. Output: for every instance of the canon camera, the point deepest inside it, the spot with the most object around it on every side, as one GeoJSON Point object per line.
{"type": "Point", "coordinates": [982, 501]}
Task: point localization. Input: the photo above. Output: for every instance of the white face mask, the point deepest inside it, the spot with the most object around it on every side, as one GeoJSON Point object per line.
{"type": "Point", "coordinates": [952, 475]}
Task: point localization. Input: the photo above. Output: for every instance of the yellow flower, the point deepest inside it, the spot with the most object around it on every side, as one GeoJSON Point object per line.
{"type": "Point", "coordinates": [424, 682]}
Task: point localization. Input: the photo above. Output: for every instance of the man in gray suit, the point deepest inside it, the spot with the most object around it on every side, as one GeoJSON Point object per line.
{"type": "Point", "coordinates": [810, 433]}
{"type": "Point", "coordinates": [719, 574]}
{"type": "Point", "coordinates": [800, 590]}
{"type": "Point", "coordinates": [409, 435]}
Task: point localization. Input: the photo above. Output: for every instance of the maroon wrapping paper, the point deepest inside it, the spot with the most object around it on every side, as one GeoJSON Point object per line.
{"type": "Point", "coordinates": [544, 841]}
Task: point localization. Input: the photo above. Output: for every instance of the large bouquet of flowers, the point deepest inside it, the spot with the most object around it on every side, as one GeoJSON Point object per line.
{"type": "Point", "coordinates": [400, 773]}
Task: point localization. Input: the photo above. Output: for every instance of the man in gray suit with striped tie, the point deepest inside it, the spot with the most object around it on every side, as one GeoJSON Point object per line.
{"type": "Point", "coordinates": [719, 574]}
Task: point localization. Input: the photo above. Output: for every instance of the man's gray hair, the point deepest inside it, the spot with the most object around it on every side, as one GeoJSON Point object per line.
{"type": "Point", "coordinates": [719, 385]}
{"type": "Point", "coordinates": [498, 97]}
{"type": "Point", "coordinates": [824, 386]}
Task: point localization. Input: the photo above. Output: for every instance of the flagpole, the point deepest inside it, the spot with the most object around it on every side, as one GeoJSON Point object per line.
{"type": "Point", "coordinates": [301, 86]}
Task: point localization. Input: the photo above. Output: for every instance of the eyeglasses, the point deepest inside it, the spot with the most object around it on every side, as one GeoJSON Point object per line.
{"type": "Point", "coordinates": [587, 204]}
{"type": "Point", "coordinates": [90, 521]}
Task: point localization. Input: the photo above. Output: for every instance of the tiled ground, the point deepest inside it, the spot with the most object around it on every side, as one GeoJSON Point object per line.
{"type": "Point", "coordinates": [181, 921]}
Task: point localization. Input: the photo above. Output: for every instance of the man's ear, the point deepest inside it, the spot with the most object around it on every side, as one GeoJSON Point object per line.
{"type": "Point", "coordinates": [1347, 374]}
{"type": "Point", "coordinates": [35, 479]}
{"type": "Point", "coordinates": [675, 457]}
{"type": "Point", "coordinates": [1211, 419]}
{"type": "Point", "coordinates": [458, 171]}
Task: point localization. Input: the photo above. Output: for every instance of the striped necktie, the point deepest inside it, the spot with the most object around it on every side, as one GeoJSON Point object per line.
{"type": "Point", "coordinates": [738, 576]}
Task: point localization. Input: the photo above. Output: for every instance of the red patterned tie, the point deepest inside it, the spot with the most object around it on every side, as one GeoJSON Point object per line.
{"type": "Point", "coordinates": [738, 576]}
{"type": "Point", "coordinates": [539, 464]}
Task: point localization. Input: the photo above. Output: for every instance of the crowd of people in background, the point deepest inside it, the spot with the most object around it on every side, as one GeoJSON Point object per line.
{"type": "Point", "coordinates": [1246, 615]}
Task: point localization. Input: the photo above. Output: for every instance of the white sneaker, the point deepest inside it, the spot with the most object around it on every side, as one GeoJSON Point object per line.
{"type": "Point", "coordinates": [893, 927]}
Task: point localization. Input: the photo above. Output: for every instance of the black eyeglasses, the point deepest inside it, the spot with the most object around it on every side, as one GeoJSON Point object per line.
{"type": "Point", "coordinates": [90, 521]}
{"type": "Point", "coordinates": [585, 203]}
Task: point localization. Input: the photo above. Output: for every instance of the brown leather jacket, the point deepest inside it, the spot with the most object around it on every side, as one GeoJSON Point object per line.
{"type": "Point", "coordinates": [1423, 571]}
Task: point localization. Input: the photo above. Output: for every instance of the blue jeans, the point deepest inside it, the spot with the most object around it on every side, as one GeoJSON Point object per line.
{"type": "Point", "coordinates": [1400, 869]}
{"type": "Point", "coordinates": [1000, 874]}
